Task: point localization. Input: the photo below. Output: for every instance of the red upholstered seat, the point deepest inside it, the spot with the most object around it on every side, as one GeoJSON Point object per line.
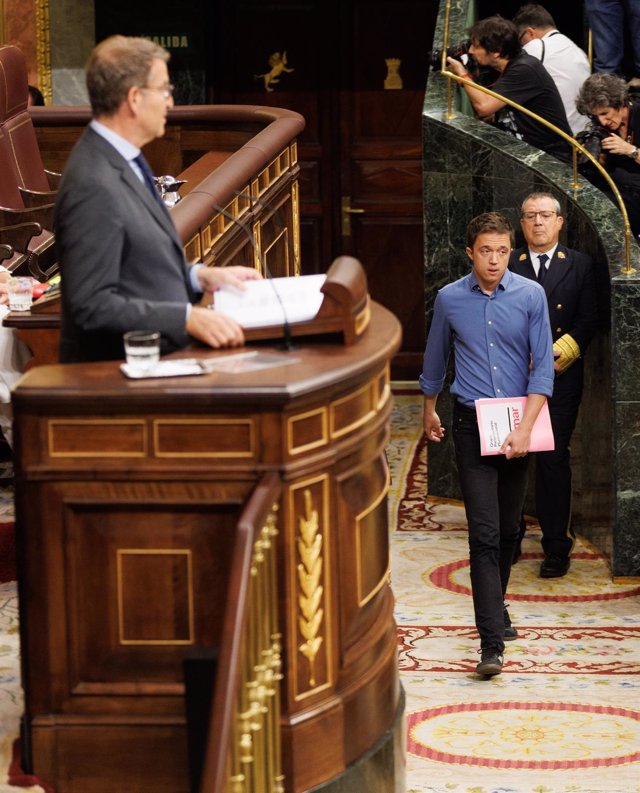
{"type": "Point", "coordinates": [20, 139]}
{"type": "Point", "coordinates": [21, 168]}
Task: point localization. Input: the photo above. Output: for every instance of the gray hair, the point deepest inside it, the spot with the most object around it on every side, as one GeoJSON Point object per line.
{"type": "Point", "coordinates": [602, 90]}
{"type": "Point", "coordinates": [116, 65]}
{"type": "Point", "coordinates": [537, 197]}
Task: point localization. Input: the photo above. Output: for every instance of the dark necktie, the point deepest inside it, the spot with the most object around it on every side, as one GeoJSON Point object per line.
{"type": "Point", "coordinates": [148, 176]}
{"type": "Point", "coordinates": [542, 272]}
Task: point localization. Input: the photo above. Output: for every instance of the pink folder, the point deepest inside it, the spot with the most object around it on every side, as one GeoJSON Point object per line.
{"type": "Point", "coordinates": [498, 417]}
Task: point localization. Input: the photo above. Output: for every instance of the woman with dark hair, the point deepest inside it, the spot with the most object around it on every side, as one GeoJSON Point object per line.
{"type": "Point", "coordinates": [616, 126]}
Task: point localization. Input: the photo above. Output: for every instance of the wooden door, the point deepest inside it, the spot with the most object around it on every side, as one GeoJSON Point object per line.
{"type": "Point", "coordinates": [356, 70]}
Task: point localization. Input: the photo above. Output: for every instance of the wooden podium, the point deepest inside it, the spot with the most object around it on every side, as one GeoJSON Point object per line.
{"type": "Point", "coordinates": [345, 311]}
{"type": "Point", "coordinates": [149, 477]}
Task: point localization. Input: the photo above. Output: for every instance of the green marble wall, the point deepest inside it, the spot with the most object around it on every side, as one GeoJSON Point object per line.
{"type": "Point", "coordinates": [470, 167]}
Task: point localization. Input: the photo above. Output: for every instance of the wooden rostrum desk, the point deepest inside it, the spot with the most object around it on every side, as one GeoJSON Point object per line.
{"type": "Point", "coordinates": [158, 470]}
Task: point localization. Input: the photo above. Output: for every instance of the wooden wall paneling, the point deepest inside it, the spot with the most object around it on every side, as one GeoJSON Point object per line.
{"type": "Point", "coordinates": [381, 172]}
{"type": "Point", "coordinates": [250, 34]}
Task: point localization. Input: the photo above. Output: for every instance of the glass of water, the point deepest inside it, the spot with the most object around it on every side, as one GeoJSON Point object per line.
{"type": "Point", "coordinates": [142, 348]}
{"type": "Point", "coordinates": [20, 294]}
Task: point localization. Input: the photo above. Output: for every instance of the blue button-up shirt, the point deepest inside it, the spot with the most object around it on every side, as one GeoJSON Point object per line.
{"type": "Point", "coordinates": [502, 342]}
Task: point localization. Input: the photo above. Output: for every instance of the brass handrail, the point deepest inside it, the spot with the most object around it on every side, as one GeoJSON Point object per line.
{"type": "Point", "coordinates": [627, 269]}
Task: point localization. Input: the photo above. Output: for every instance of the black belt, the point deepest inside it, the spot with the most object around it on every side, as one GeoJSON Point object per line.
{"type": "Point", "coordinates": [460, 408]}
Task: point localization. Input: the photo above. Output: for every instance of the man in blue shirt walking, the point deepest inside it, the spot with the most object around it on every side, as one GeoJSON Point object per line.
{"type": "Point", "coordinates": [498, 323]}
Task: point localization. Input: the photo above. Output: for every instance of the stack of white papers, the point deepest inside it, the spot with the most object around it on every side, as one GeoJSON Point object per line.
{"type": "Point", "coordinates": [272, 301]}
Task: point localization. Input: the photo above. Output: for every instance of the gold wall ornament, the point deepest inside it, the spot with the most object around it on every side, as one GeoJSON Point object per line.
{"type": "Point", "coordinates": [309, 574]}
{"type": "Point", "coordinates": [278, 64]}
{"type": "Point", "coordinates": [43, 50]}
{"type": "Point", "coordinates": [393, 81]}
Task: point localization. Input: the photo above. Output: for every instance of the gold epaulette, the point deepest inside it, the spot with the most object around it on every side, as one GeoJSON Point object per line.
{"type": "Point", "coordinates": [569, 351]}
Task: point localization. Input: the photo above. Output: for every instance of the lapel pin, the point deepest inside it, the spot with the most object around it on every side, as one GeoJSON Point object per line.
{"type": "Point", "coordinates": [523, 257]}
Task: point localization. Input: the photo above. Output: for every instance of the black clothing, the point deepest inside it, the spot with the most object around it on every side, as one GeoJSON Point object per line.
{"type": "Point", "coordinates": [571, 296]}
{"type": "Point", "coordinates": [527, 82]}
{"type": "Point", "coordinates": [493, 490]}
{"type": "Point", "coordinates": [624, 171]}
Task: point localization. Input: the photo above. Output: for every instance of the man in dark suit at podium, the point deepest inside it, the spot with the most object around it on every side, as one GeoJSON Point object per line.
{"type": "Point", "coordinates": [121, 258]}
{"type": "Point", "coordinates": [568, 281]}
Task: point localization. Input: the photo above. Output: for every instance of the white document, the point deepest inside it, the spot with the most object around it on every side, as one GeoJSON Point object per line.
{"type": "Point", "coordinates": [272, 301]}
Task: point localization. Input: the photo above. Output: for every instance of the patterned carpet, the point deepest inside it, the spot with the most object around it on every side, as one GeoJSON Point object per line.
{"type": "Point", "coordinates": [564, 716]}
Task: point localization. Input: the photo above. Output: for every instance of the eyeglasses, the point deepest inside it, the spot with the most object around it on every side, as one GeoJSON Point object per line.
{"type": "Point", "coordinates": [546, 215]}
{"type": "Point", "coordinates": [167, 90]}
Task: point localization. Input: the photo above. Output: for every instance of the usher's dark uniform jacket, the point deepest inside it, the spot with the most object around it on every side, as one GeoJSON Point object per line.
{"type": "Point", "coordinates": [573, 313]}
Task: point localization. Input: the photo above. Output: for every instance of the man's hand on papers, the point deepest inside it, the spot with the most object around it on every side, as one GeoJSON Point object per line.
{"type": "Point", "coordinates": [214, 328]}
{"type": "Point", "coordinates": [213, 278]}
{"type": "Point", "coordinates": [517, 443]}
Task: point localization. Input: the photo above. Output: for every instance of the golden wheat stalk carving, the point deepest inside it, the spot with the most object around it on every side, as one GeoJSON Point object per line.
{"type": "Point", "coordinates": [311, 590]}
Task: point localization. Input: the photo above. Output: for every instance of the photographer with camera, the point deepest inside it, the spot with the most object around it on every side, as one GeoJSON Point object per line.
{"type": "Point", "coordinates": [613, 138]}
{"type": "Point", "coordinates": [567, 64]}
{"type": "Point", "coordinates": [523, 79]}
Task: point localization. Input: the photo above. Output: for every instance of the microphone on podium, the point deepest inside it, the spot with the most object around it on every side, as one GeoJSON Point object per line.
{"type": "Point", "coordinates": [287, 341]}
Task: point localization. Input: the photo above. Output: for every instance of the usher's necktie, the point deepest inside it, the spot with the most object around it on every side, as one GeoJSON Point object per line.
{"type": "Point", "coordinates": [542, 272]}
{"type": "Point", "coordinates": [148, 176]}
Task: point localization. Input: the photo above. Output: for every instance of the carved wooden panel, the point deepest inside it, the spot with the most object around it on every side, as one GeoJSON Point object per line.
{"type": "Point", "coordinates": [309, 563]}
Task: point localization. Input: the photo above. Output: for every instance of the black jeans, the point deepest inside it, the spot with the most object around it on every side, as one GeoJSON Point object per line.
{"type": "Point", "coordinates": [493, 490]}
{"type": "Point", "coordinates": [553, 469]}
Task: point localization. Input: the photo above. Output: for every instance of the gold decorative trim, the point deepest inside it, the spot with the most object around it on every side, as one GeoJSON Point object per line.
{"type": "Point", "coordinates": [365, 598]}
{"type": "Point", "coordinates": [206, 237]}
{"type": "Point", "coordinates": [236, 422]}
{"type": "Point", "coordinates": [258, 258]}
{"type": "Point", "coordinates": [309, 578]}
{"type": "Point", "coordinates": [277, 67]}
{"type": "Point", "coordinates": [338, 433]}
{"type": "Point", "coordinates": [569, 350]}
{"type": "Point", "coordinates": [43, 50]}
{"type": "Point", "coordinates": [393, 81]}
{"type": "Point", "coordinates": [363, 318]}
{"type": "Point", "coordinates": [322, 441]}
{"type": "Point", "coordinates": [120, 554]}
{"type": "Point", "coordinates": [295, 208]}
{"type": "Point", "coordinates": [284, 233]}
{"type": "Point", "coordinates": [385, 392]}
{"type": "Point", "coordinates": [255, 751]}
{"type": "Point", "coordinates": [193, 249]}
{"type": "Point", "coordinates": [53, 423]}
{"type": "Point", "coordinates": [311, 526]}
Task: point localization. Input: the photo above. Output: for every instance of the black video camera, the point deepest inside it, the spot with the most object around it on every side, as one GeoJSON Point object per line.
{"type": "Point", "coordinates": [591, 138]}
{"type": "Point", "coordinates": [456, 51]}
